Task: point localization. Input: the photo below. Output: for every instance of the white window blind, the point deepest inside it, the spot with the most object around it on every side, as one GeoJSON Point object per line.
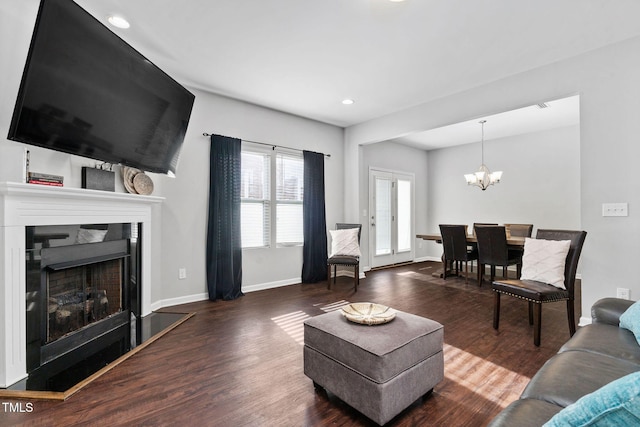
{"type": "Point", "coordinates": [255, 199]}
{"type": "Point", "coordinates": [289, 196]}
{"type": "Point", "coordinates": [271, 198]}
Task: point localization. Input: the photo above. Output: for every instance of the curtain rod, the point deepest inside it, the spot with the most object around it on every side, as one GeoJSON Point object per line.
{"type": "Point", "coordinates": [273, 146]}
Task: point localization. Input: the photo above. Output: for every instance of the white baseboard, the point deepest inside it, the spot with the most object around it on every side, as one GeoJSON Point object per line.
{"type": "Point", "coordinates": [249, 288]}
{"type": "Point", "coordinates": [584, 321]}
{"type": "Point", "coordinates": [293, 281]}
{"type": "Point", "coordinates": [271, 285]}
{"type": "Point", "coordinates": [205, 296]}
{"type": "Point", "coordinates": [428, 258]}
{"type": "Point", "coordinates": [179, 300]}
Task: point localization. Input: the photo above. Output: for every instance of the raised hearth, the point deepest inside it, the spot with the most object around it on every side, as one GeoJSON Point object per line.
{"type": "Point", "coordinates": [23, 205]}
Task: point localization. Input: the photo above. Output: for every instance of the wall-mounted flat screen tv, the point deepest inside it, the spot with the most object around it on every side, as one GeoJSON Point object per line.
{"type": "Point", "coordinates": [85, 91]}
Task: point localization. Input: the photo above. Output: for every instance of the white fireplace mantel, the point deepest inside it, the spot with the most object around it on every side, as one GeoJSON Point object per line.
{"type": "Point", "coordinates": [24, 205]}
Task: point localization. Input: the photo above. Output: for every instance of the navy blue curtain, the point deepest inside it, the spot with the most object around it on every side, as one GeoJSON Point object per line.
{"type": "Point", "coordinates": [224, 245]}
{"type": "Point", "coordinates": [314, 249]}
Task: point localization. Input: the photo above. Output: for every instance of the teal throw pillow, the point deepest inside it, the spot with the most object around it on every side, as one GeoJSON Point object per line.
{"type": "Point", "coordinates": [630, 320]}
{"type": "Point", "coordinates": [615, 404]}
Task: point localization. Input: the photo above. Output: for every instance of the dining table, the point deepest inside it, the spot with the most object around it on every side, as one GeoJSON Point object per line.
{"type": "Point", "coordinates": [513, 242]}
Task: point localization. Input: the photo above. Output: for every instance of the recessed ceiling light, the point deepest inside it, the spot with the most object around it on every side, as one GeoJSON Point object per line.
{"type": "Point", "coordinates": [348, 101]}
{"type": "Point", "coordinates": [118, 21]}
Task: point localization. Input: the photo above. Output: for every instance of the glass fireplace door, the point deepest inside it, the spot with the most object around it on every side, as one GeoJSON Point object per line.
{"type": "Point", "coordinates": [79, 296]}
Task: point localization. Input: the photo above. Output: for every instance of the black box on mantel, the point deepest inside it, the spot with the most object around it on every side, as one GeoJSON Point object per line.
{"type": "Point", "coordinates": [98, 179]}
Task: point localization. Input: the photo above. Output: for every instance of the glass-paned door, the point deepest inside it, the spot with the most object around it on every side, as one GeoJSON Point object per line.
{"type": "Point", "coordinates": [391, 217]}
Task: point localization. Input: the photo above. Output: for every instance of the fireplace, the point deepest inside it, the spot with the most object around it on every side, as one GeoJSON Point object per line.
{"type": "Point", "coordinates": [26, 205]}
{"type": "Point", "coordinates": [81, 280]}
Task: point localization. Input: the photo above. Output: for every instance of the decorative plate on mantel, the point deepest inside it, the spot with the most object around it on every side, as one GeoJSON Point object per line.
{"type": "Point", "coordinates": [136, 182]}
{"type": "Point", "coordinates": [127, 178]}
{"type": "Point", "coordinates": [368, 313]}
{"type": "Point", "coordinates": [143, 184]}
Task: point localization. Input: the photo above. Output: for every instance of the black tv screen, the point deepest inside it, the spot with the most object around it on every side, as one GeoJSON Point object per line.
{"type": "Point", "coordinates": [85, 91]}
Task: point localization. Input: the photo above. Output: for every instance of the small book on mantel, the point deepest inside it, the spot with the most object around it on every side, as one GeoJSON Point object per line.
{"type": "Point", "coordinates": [45, 179]}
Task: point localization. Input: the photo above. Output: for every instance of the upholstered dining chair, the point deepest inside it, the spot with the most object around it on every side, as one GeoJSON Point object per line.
{"type": "Point", "coordinates": [344, 252]}
{"type": "Point", "coordinates": [519, 230]}
{"type": "Point", "coordinates": [482, 224]}
{"type": "Point", "coordinates": [473, 230]}
{"type": "Point", "coordinates": [456, 250]}
{"type": "Point", "coordinates": [538, 292]}
{"type": "Point", "coordinates": [493, 251]}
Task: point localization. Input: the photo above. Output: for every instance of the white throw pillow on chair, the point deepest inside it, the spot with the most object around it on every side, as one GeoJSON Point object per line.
{"type": "Point", "coordinates": [345, 242]}
{"type": "Point", "coordinates": [544, 261]}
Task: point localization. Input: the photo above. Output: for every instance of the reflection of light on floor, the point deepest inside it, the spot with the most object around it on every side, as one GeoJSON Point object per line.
{"type": "Point", "coordinates": [293, 324]}
{"type": "Point", "coordinates": [494, 382]}
{"type": "Point", "coordinates": [333, 306]}
{"type": "Point", "coordinates": [415, 275]}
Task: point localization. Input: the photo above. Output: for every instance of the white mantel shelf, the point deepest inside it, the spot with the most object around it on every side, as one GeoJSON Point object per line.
{"type": "Point", "coordinates": [33, 204]}
{"type": "Point", "coordinates": [21, 188]}
{"type": "Point", "coordinates": [23, 205]}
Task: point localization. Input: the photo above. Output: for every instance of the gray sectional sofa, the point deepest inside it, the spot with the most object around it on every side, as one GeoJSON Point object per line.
{"type": "Point", "coordinates": [596, 355]}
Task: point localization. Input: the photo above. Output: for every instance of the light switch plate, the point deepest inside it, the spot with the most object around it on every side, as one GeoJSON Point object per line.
{"type": "Point", "coordinates": [622, 293]}
{"type": "Point", "coordinates": [615, 209]}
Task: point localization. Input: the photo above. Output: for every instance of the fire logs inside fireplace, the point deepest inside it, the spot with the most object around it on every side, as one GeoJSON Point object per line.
{"type": "Point", "coordinates": [79, 296]}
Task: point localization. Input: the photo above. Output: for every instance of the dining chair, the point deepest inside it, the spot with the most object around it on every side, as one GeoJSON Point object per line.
{"type": "Point", "coordinates": [482, 224]}
{"type": "Point", "coordinates": [537, 292]}
{"type": "Point", "coordinates": [346, 259]}
{"type": "Point", "coordinates": [473, 230]}
{"type": "Point", "coordinates": [456, 249]}
{"type": "Point", "coordinates": [519, 230]}
{"type": "Point", "coordinates": [494, 251]}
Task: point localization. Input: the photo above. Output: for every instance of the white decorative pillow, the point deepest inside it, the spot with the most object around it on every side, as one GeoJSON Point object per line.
{"type": "Point", "coordinates": [345, 242]}
{"type": "Point", "coordinates": [544, 261]}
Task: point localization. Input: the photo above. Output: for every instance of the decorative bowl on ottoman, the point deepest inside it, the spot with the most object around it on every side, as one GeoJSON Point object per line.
{"type": "Point", "coordinates": [378, 370]}
{"type": "Point", "coordinates": [368, 313]}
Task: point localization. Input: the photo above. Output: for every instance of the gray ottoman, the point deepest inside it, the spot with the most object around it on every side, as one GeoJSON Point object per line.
{"type": "Point", "coordinates": [378, 370]}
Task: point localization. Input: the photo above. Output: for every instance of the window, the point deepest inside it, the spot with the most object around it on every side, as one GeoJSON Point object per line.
{"type": "Point", "coordinates": [289, 192]}
{"type": "Point", "coordinates": [255, 199]}
{"type": "Point", "coordinates": [271, 198]}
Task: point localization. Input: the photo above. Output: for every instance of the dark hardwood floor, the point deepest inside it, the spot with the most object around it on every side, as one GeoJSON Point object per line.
{"type": "Point", "coordinates": [239, 363]}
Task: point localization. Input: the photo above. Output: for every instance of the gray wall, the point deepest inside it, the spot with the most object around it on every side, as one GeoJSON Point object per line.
{"type": "Point", "coordinates": [607, 81]}
{"type": "Point", "coordinates": [540, 183]}
{"type": "Point", "coordinates": [185, 208]}
{"type": "Point", "coordinates": [180, 226]}
{"type": "Point", "coordinates": [396, 158]}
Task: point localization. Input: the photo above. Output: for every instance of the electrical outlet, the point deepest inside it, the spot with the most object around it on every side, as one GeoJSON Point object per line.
{"type": "Point", "coordinates": [182, 273]}
{"type": "Point", "coordinates": [622, 293]}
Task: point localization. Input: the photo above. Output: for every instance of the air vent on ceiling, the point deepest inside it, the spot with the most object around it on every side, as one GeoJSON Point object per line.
{"type": "Point", "coordinates": [542, 105]}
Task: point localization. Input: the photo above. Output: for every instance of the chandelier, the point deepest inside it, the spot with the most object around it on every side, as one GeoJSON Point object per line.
{"type": "Point", "coordinates": [484, 177]}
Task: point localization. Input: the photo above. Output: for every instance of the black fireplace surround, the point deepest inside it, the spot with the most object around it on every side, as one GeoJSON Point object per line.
{"type": "Point", "coordinates": [83, 294]}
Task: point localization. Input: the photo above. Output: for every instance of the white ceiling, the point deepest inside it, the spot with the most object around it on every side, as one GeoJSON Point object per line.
{"type": "Point", "coordinates": [304, 57]}
{"type": "Point", "coordinates": [558, 113]}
